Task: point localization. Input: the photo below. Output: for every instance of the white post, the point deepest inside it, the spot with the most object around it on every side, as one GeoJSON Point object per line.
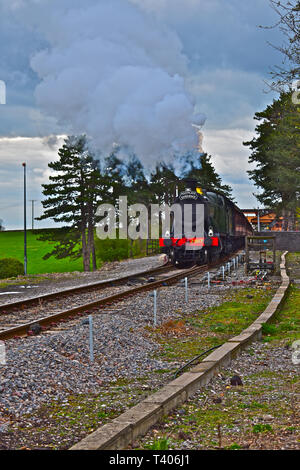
{"type": "Point", "coordinates": [155, 307]}
{"type": "Point", "coordinates": [91, 338]}
{"type": "Point", "coordinates": [186, 288]}
{"type": "Point", "coordinates": [208, 279]}
{"type": "Point", "coordinates": [223, 272]}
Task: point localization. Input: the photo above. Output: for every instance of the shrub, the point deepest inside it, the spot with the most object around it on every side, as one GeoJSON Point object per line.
{"type": "Point", "coordinates": [10, 267]}
{"type": "Point", "coordinates": [116, 250]}
{"type": "Point", "coordinates": [111, 250]}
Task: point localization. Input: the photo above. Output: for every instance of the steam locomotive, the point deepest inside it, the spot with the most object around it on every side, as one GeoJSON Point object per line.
{"type": "Point", "coordinates": [224, 228]}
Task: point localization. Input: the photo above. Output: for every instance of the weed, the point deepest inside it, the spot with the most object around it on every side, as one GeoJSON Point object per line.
{"type": "Point", "coordinates": [159, 444]}
{"type": "Point", "coordinates": [268, 329]}
{"type": "Point", "coordinates": [233, 446]}
{"type": "Point", "coordinates": [257, 428]}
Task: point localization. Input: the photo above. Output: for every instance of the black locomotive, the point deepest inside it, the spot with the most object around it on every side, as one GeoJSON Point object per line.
{"type": "Point", "coordinates": [224, 230]}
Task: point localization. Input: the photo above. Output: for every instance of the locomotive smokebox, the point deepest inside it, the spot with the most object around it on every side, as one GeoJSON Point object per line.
{"type": "Point", "coordinates": [167, 242]}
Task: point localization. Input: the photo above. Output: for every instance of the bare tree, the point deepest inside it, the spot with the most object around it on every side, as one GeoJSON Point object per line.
{"type": "Point", "coordinates": [288, 12]}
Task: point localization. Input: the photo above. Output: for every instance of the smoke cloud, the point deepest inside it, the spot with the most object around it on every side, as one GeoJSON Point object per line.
{"type": "Point", "coordinates": [115, 73]}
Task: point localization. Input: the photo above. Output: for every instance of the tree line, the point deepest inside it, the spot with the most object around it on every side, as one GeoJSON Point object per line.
{"type": "Point", "coordinates": [80, 181]}
{"type": "Point", "coordinates": [276, 147]}
{"type": "Point", "coordinates": [276, 152]}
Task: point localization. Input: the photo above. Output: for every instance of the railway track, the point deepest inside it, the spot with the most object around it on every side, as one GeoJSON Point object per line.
{"type": "Point", "coordinates": [11, 327]}
{"type": "Point", "coordinates": [32, 301]}
{"type": "Point", "coordinates": [47, 313]}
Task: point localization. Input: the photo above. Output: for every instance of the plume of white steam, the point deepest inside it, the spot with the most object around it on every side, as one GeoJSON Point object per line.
{"type": "Point", "coordinates": [115, 73]}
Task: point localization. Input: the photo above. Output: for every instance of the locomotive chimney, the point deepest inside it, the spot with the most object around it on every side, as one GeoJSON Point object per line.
{"type": "Point", "coordinates": [190, 183]}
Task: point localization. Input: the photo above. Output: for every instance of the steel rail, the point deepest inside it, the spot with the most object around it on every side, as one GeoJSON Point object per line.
{"type": "Point", "coordinates": [23, 329]}
{"type": "Point", "coordinates": [4, 308]}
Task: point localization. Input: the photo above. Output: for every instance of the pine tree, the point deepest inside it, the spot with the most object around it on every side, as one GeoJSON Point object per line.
{"type": "Point", "coordinates": [163, 184]}
{"type": "Point", "coordinates": [71, 198]}
{"type": "Point", "coordinates": [137, 188]}
{"type": "Point", "coordinates": [136, 182]}
{"type": "Point", "coordinates": [198, 166]}
{"type": "Point", "coordinates": [276, 152]}
{"type": "Point", "coordinates": [115, 175]}
{"type": "Point", "coordinates": [126, 177]}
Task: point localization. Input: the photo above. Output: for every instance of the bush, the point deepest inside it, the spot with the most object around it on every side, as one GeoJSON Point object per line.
{"type": "Point", "coordinates": [10, 267]}
{"type": "Point", "coordinates": [116, 250]}
{"type": "Point", "coordinates": [111, 250]}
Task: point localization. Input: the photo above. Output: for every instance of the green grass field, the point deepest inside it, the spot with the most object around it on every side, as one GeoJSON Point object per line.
{"type": "Point", "coordinates": [12, 246]}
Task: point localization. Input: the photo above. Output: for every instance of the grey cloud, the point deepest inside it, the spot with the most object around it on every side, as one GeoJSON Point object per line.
{"type": "Point", "coordinates": [222, 33]}
{"type": "Point", "coordinates": [228, 61]}
{"type": "Point", "coordinates": [37, 155]}
{"type": "Point", "coordinates": [51, 141]}
{"type": "Point", "coordinates": [216, 35]}
{"type": "Point", "coordinates": [228, 97]}
{"type": "Point", "coordinates": [230, 159]}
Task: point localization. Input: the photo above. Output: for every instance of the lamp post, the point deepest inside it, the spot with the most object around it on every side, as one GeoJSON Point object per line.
{"type": "Point", "coordinates": [258, 220]}
{"type": "Point", "coordinates": [25, 232]}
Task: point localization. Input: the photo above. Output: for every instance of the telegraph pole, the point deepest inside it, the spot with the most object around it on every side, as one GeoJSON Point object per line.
{"type": "Point", "coordinates": [32, 212]}
{"type": "Point", "coordinates": [25, 232]}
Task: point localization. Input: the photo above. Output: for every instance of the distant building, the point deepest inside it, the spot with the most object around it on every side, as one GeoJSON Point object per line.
{"type": "Point", "coordinates": [267, 220]}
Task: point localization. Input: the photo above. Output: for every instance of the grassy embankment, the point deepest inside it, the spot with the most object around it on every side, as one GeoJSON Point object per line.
{"type": "Point", "coordinates": [185, 338]}
{"type": "Point", "coordinates": [263, 414]}
{"type": "Point", "coordinates": [12, 246]}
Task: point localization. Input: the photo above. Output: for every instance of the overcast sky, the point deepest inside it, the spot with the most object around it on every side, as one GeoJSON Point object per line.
{"type": "Point", "coordinates": [227, 61]}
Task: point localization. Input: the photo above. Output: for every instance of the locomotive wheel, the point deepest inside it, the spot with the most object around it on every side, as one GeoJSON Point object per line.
{"type": "Point", "coordinates": [214, 256]}
{"type": "Point", "coordinates": [184, 264]}
{"type": "Point", "coordinates": [173, 258]}
{"type": "Point", "coordinates": [204, 258]}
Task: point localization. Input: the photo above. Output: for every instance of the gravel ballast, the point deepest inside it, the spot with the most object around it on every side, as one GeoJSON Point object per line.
{"type": "Point", "coordinates": [42, 366]}
{"type": "Point", "coordinates": [59, 281]}
{"type": "Point", "coordinates": [46, 369]}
